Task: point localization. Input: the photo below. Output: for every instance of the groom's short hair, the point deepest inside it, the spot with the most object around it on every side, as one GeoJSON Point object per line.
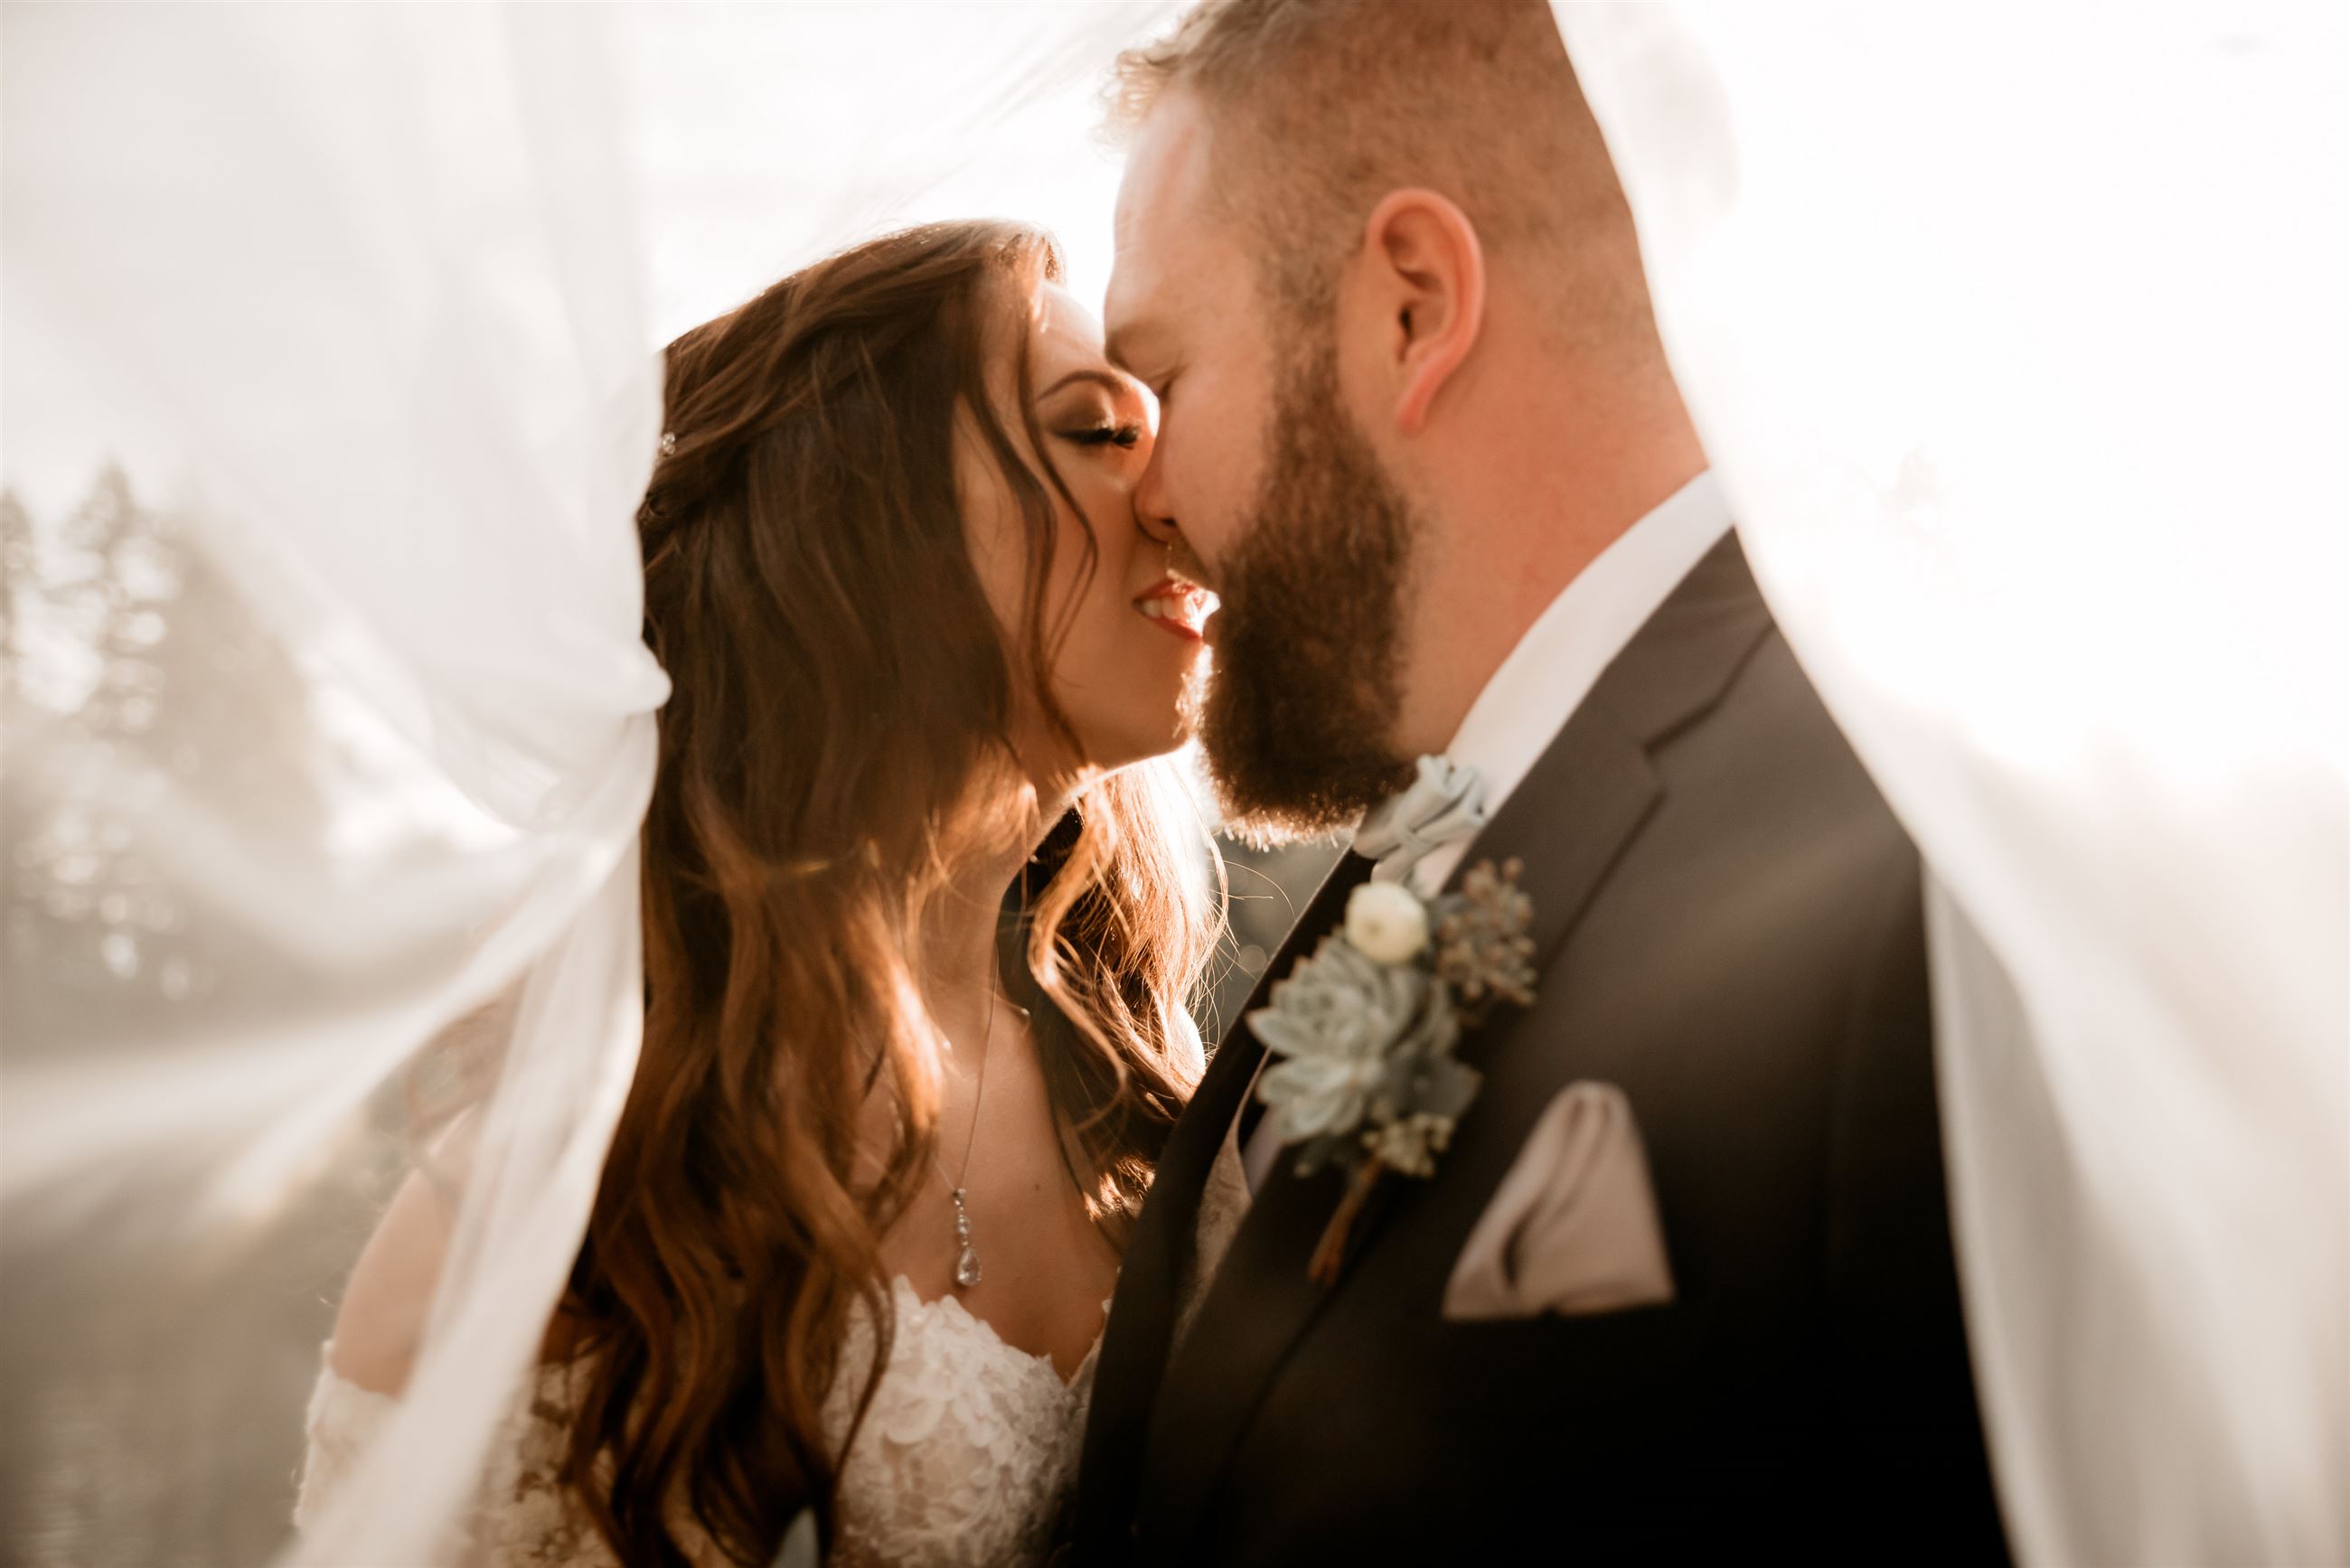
{"type": "Point", "coordinates": [1319, 108]}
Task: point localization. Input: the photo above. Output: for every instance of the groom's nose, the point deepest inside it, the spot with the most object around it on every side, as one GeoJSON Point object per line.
{"type": "Point", "coordinates": [1150, 508]}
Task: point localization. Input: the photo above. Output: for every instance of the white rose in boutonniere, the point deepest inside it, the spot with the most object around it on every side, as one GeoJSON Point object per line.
{"type": "Point", "coordinates": [1387, 922]}
{"type": "Point", "coordinates": [1364, 1031]}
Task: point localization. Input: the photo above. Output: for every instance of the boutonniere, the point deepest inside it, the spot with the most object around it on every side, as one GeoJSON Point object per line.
{"type": "Point", "coordinates": [1365, 1029]}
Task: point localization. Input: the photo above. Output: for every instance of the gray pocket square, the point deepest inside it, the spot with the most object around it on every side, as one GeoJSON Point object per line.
{"type": "Point", "coordinates": [1573, 1228]}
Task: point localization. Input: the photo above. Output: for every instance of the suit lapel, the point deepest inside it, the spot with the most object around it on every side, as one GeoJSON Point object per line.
{"type": "Point", "coordinates": [1580, 804]}
{"type": "Point", "coordinates": [1260, 1302]}
{"type": "Point", "coordinates": [1159, 1254]}
{"type": "Point", "coordinates": [1569, 820]}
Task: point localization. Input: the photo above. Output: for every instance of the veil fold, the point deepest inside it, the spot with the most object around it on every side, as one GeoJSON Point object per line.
{"type": "Point", "coordinates": [2017, 340]}
{"type": "Point", "coordinates": [331, 388]}
{"type": "Point", "coordinates": [351, 300]}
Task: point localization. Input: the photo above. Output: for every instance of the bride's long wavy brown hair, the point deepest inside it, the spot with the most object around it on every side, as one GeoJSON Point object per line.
{"type": "Point", "coordinates": [843, 696]}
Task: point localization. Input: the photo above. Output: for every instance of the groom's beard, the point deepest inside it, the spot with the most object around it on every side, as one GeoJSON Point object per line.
{"type": "Point", "coordinates": [1304, 690]}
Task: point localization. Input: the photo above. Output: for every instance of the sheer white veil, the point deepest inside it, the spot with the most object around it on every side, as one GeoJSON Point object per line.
{"type": "Point", "coordinates": [2017, 338]}
{"type": "Point", "coordinates": [331, 388]}
{"type": "Point", "coordinates": [351, 296]}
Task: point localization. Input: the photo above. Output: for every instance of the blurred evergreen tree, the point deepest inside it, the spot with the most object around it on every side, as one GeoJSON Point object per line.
{"type": "Point", "coordinates": [138, 696]}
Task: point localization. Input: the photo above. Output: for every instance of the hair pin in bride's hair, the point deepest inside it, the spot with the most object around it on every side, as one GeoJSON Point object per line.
{"type": "Point", "coordinates": [668, 443]}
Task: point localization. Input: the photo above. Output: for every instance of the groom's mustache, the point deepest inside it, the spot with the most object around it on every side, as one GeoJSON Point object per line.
{"type": "Point", "coordinates": [1184, 563]}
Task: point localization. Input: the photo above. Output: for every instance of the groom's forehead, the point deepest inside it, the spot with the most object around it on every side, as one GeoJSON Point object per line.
{"type": "Point", "coordinates": [1161, 224]}
{"type": "Point", "coordinates": [1165, 163]}
{"type": "Point", "coordinates": [1135, 312]}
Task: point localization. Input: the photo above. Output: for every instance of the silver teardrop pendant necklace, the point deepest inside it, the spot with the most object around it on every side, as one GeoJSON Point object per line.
{"type": "Point", "coordinates": [967, 1272]}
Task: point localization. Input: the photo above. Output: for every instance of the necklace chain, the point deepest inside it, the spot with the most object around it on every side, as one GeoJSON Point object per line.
{"type": "Point", "coordinates": [986, 1049]}
{"type": "Point", "coordinates": [967, 1272]}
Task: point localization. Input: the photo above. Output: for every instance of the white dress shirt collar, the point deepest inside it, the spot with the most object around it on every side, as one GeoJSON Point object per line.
{"type": "Point", "coordinates": [1529, 698]}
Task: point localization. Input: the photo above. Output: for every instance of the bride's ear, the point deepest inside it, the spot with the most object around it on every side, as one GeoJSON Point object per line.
{"type": "Point", "coordinates": [1427, 274]}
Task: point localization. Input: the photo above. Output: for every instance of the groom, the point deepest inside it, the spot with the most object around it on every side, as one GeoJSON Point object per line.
{"type": "Point", "coordinates": [1680, 1285]}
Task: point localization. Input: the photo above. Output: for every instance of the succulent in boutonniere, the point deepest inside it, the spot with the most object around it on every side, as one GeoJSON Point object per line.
{"type": "Point", "coordinates": [1365, 1029]}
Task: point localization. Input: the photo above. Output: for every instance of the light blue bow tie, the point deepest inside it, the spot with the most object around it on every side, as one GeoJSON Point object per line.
{"type": "Point", "coordinates": [1444, 803]}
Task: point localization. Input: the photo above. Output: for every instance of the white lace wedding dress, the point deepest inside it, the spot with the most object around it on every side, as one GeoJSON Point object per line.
{"type": "Point", "coordinates": [967, 1457]}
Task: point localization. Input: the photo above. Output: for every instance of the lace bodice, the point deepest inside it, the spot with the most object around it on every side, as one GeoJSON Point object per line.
{"type": "Point", "coordinates": [970, 1450]}
{"type": "Point", "coordinates": [966, 1456]}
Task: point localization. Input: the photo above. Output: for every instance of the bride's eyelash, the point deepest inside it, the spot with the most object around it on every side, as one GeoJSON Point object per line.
{"type": "Point", "coordinates": [1107, 435]}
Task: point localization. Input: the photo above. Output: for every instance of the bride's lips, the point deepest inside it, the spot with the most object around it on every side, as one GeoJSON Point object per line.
{"type": "Point", "coordinates": [1176, 607]}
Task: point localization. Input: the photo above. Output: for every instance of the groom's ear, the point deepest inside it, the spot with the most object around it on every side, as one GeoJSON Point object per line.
{"type": "Point", "coordinates": [1426, 274]}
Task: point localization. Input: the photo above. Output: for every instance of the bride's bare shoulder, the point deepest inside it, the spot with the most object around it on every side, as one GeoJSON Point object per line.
{"type": "Point", "coordinates": [380, 1324]}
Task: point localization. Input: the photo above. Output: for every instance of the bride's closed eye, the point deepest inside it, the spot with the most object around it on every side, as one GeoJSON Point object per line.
{"type": "Point", "coordinates": [1105, 435]}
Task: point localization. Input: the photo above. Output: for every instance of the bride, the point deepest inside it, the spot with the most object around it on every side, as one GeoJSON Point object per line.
{"type": "Point", "coordinates": [919, 934]}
